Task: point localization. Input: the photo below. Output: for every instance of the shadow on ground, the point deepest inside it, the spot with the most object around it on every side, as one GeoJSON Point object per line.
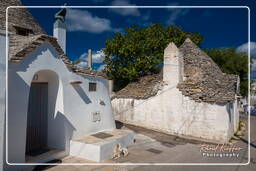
{"type": "Point", "coordinates": [165, 139]}
{"type": "Point", "coordinates": [45, 167]}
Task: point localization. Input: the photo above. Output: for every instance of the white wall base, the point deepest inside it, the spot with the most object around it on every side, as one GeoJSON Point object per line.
{"type": "Point", "coordinates": [100, 149]}
{"type": "Point", "coordinates": [171, 112]}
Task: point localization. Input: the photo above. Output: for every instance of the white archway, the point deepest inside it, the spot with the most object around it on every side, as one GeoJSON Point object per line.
{"type": "Point", "coordinates": [46, 84]}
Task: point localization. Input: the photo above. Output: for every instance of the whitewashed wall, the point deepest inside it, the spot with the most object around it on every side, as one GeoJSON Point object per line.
{"type": "Point", "coordinates": [173, 113]}
{"type": "Point", "coordinates": [70, 116]}
{"type": "Point", "coordinates": [2, 97]}
{"type": "Point", "coordinates": [169, 111]}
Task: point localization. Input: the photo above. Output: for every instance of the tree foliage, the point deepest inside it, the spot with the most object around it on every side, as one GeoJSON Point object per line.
{"type": "Point", "coordinates": [139, 51]}
{"type": "Point", "coordinates": [232, 62]}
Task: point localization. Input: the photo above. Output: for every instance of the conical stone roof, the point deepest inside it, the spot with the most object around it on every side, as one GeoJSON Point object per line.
{"type": "Point", "coordinates": [204, 80]}
{"type": "Point", "coordinates": [19, 17]}
{"type": "Point", "coordinates": [20, 46]}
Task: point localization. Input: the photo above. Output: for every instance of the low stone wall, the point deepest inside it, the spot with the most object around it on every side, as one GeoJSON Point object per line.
{"type": "Point", "coordinates": [171, 112]}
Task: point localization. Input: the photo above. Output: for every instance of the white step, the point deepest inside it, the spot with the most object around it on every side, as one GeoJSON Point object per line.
{"type": "Point", "coordinates": [100, 149]}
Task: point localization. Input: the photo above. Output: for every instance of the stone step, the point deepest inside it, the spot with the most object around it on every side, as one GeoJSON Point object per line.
{"type": "Point", "coordinates": [100, 146]}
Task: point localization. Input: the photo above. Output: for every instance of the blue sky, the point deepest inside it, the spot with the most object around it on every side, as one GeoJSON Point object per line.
{"type": "Point", "coordinates": [89, 28]}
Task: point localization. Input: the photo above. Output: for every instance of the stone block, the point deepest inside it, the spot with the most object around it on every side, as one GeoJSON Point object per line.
{"type": "Point", "coordinates": [97, 149]}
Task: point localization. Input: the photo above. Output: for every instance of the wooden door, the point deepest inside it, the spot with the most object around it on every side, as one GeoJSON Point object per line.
{"type": "Point", "coordinates": [36, 140]}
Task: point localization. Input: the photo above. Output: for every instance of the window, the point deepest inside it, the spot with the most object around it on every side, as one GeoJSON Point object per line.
{"type": "Point", "coordinates": [92, 86]}
{"type": "Point", "coordinates": [23, 31]}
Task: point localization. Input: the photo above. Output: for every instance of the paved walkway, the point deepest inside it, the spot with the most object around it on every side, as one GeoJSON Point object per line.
{"type": "Point", "coordinates": [151, 147]}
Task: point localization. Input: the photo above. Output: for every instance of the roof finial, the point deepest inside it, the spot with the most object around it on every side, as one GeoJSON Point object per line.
{"type": "Point", "coordinates": [188, 39]}
{"type": "Point", "coordinates": [61, 14]}
{"type": "Point", "coordinates": [171, 47]}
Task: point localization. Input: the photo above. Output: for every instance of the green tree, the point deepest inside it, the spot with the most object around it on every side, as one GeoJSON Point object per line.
{"type": "Point", "coordinates": [232, 62]}
{"type": "Point", "coordinates": [139, 51]}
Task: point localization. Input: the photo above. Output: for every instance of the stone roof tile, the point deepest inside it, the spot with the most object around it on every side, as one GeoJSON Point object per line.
{"type": "Point", "coordinates": [142, 89]}
{"type": "Point", "coordinates": [204, 80]}
{"type": "Point", "coordinates": [21, 46]}
{"type": "Point", "coordinates": [18, 17]}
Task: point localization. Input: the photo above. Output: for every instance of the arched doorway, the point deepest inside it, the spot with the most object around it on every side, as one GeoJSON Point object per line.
{"type": "Point", "coordinates": [36, 141]}
{"type": "Point", "coordinates": [45, 101]}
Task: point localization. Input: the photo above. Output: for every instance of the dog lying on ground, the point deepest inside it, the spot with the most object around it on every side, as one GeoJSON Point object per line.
{"type": "Point", "coordinates": [118, 151]}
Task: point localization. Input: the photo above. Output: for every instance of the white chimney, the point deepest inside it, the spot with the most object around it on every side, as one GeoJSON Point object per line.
{"type": "Point", "coordinates": [59, 28]}
{"type": "Point", "coordinates": [89, 60]}
{"type": "Point", "coordinates": [110, 86]}
{"type": "Point", "coordinates": [171, 68]}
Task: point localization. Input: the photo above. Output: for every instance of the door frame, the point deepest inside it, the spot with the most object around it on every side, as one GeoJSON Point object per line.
{"type": "Point", "coordinates": [46, 126]}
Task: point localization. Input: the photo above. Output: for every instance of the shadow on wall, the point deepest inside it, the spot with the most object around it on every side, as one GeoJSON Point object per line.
{"type": "Point", "coordinates": [82, 93]}
{"type": "Point", "coordinates": [62, 132]}
{"type": "Point", "coordinates": [230, 110]}
{"type": "Point", "coordinates": [43, 50]}
{"type": "Point", "coordinates": [17, 117]}
{"type": "Point", "coordinates": [60, 129]}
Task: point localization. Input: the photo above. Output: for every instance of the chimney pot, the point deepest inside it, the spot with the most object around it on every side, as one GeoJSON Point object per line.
{"type": "Point", "coordinates": [59, 29]}
{"type": "Point", "coordinates": [89, 61]}
{"type": "Point", "coordinates": [110, 86]}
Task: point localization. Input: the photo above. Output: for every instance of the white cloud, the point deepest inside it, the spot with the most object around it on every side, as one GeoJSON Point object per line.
{"type": "Point", "coordinates": [175, 13]}
{"type": "Point", "coordinates": [101, 67]}
{"type": "Point", "coordinates": [124, 11]}
{"type": "Point", "coordinates": [83, 60]}
{"type": "Point", "coordinates": [244, 48]}
{"type": "Point", "coordinates": [82, 64]}
{"type": "Point", "coordinates": [97, 57]}
{"type": "Point", "coordinates": [82, 20]}
{"type": "Point", "coordinates": [142, 21]}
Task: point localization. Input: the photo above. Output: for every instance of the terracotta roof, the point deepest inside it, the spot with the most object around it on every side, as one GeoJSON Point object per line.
{"type": "Point", "coordinates": [20, 46]}
{"type": "Point", "coordinates": [144, 88]}
{"type": "Point", "coordinates": [204, 81]}
{"type": "Point", "coordinates": [18, 17]}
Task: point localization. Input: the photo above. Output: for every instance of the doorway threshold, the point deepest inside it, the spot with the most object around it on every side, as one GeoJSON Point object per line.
{"type": "Point", "coordinates": [47, 156]}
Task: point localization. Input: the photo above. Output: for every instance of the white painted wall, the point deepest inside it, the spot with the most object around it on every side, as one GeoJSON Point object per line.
{"type": "Point", "coordinates": [60, 33]}
{"type": "Point", "coordinates": [169, 111]}
{"type": "Point", "coordinates": [2, 97]}
{"type": "Point", "coordinates": [171, 65]}
{"type": "Point", "coordinates": [71, 116]}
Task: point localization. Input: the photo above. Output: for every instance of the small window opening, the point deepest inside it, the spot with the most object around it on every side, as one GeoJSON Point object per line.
{"type": "Point", "coordinates": [92, 86]}
{"type": "Point", "coordinates": [23, 31]}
